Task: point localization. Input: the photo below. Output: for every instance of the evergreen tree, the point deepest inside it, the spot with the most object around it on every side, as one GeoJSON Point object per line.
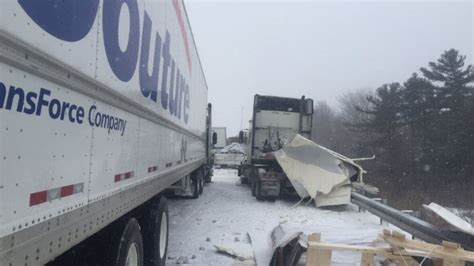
{"type": "Point", "coordinates": [419, 112]}
{"type": "Point", "coordinates": [449, 71]}
{"type": "Point", "coordinates": [386, 124]}
{"type": "Point", "coordinates": [454, 96]}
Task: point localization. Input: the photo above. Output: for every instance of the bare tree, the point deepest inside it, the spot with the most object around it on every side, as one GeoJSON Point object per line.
{"type": "Point", "coordinates": [353, 113]}
{"type": "Point", "coordinates": [328, 129]}
{"type": "Point", "coordinates": [352, 103]}
{"type": "Point", "coordinates": [323, 124]}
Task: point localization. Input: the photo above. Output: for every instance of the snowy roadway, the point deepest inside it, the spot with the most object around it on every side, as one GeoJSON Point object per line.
{"type": "Point", "coordinates": [227, 212]}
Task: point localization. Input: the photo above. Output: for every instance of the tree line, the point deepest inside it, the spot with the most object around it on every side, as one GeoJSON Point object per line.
{"type": "Point", "coordinates": [421, 130]}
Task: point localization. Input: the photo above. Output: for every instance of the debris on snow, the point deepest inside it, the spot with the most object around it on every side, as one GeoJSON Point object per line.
{"type": "Point", "coordinates": [457, 222]}
{"type": "Point", "coordinates": [182, 260]}
{"type": "Point", "coordinates": [227, 203]}
{"type": "Point", "coordinates": [241, 251]}
{"type": "Point", "coordinates": [366, 188]}
{"type": "Point", "coordinates": [465, 214]}
{"type": "Point", "coordinates": [319, 173]}
{"type": "Point", "coordinates": [282, 239]}
{"type": "Point", "coordinates": [244, 263]}
{"type": "Point", "coordinates": [208, 239]}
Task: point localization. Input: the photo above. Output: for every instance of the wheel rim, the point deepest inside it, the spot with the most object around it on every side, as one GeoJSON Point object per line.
{"type": "Point", "coordinates": [163, 234]}
{"type": "Point", "coordinates": [132, 255]}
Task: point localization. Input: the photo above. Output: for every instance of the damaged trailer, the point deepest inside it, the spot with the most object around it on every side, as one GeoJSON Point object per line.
{"type": "Point", "coordinates": [319, 173]}
{"type": "Point", "coordinates": [281, 160]}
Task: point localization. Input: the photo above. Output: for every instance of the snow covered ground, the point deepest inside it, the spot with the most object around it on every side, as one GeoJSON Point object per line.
{"type": "Point", "coordinates": [227, 212]}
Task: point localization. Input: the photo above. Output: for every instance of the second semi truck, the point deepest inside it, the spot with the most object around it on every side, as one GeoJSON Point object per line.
{"type": "Point", "coordinates": [275, 122]}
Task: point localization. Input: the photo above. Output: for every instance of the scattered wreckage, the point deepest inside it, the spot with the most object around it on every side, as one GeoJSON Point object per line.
{"type": "Point", "coordinates": [282, 160]}
{"type": "Point", "coordinates": [297, 245]}
{"type": "Point", "coordinates": [314, 173]}
{"type": "Point", "coordinates": [231, 156]}
{"type": "Point", "coordinates": [320, 174]}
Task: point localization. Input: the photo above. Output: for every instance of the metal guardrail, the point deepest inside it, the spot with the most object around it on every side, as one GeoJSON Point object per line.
{"type": "Point", "coordinates": [418, 228]}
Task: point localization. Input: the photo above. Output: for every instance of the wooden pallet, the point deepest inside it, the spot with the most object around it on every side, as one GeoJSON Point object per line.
{"type": "Point", "coordinates": [401, 250]}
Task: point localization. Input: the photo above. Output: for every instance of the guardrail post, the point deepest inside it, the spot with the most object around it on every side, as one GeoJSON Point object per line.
{"type": "Point", "coordinates": [383, 201]}
{"type": "Point", "coordinates": [412, 213]}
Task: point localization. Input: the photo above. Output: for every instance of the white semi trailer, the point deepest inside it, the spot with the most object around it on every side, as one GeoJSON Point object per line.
{"type": "Point", "coordinates": [103, 107]}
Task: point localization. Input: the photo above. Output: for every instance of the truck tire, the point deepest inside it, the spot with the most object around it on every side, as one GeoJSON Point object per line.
{"type": "Point", "coordinates": [156, 232]}
{"type": "Point", "coordinates": [127, 248]}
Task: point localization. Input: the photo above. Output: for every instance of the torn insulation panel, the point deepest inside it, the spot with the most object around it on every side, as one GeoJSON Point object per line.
{"type": "Point", "coordinates": [317, 172]}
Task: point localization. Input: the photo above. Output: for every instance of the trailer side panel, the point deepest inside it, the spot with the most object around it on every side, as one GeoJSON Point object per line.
{"type": "Point", "coordinates": [102, 106]}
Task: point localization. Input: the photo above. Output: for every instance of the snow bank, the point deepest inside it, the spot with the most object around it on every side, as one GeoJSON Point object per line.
{"type": "Point", "coordinates": [226, 212]}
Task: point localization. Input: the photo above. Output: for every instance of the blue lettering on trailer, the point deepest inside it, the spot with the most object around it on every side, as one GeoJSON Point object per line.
{"type": "Point", "coordinates": [42, 103]}
{"type": "Point", "coordinates": [67, 20]}
{"type": "Point", "coordinates": [72, 20]}
{"type": "Point", "coordinates": [97, 119]}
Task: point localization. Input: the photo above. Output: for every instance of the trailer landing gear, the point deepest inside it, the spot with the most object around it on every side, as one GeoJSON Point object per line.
{"type": "Point", "coordinates": [201, 185]}
{"type": "Point", "coordinates": [197, 179]}
{"type": "Point", "coordinates": [190, 186]}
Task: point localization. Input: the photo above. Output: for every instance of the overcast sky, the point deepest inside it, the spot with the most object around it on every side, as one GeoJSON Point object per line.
{"type": "Point", "coordinates": [317, 49]}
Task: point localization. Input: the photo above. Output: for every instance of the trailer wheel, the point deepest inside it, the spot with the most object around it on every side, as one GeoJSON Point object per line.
{"type": "Point", "coordinates": [127, 248]}
{"type": "Point", "coordinates": [156, 232]}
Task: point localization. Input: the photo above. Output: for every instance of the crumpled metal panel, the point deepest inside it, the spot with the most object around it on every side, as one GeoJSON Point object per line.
{"type": "Point", "coordinates": [317, 172]}
{"type": "Point", "coordinates": [452, 219]}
